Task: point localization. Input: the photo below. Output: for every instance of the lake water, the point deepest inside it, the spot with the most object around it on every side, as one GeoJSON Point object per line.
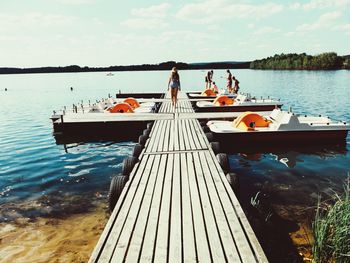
{"type": "Point", "coordinates": [33, 168]}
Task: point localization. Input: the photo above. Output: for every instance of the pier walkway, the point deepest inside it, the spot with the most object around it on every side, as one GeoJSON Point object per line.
{"type": "Point", "coordinates": [177, 205]}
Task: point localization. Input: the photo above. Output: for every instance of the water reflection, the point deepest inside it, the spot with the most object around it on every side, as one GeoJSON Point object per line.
{"type": "Point", "coordinates": [289, 155]}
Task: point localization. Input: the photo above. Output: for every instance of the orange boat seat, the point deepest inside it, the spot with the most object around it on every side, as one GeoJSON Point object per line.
{"type": "Point", "coordinates": [223, 101]}
{"type": "Point", "coordinates": [121, 108]}
{"type": "Point", "coordinates": [248, 121]}
{"type": "Point", "coordinates": [208, 92]}
{"type": "Point", "coordinates": [132, 102]}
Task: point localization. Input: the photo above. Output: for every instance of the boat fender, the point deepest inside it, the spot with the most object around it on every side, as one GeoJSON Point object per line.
{"type": "Point", "coordinates": [142, 140]}
{"type": "Point", "coordinates": [210, 136]}
{"type": "Point", "coordinates": [233, 180]}
{"type": "Point", "coordinates": [128, 165]}
{"type": "Point", "coordinates": [223, 161]}
{"type": "Point", "coordinates": [137, 150]}
{"type": "Point", "coordinates": [215, 146]}
{"type": "Point", "coordinates": [115, 189]}
{"type": "Point", "coordinates": [146, 132]}
{"type": "Point", "coordinates": [149, 125]}
{"type": "Point", "coordinates": [205, 129]}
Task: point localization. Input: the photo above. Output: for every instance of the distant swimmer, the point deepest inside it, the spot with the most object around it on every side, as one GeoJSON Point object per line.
{"type": "Point", "coordinates": [5, 89]}
{"type": "Point", "coordinates": [71, 88]}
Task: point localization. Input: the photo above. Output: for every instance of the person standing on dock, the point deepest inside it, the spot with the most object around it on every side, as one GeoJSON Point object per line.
{"type": "Point", "coordinates": [209, 79]}
{"type": "Point", "coordinates": [236, 87]}
{"type": "Point", "coordinates": [174, 84]}
{"type": "Point", "coordinates": [229, 81]}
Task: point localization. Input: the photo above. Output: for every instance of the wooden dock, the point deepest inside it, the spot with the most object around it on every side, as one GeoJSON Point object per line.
{"type": "Point", "coordinates": [177, 205]}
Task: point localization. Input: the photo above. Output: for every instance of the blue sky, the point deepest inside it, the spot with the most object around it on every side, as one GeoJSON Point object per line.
{"type": "Point", "coordinates": [108, 32]}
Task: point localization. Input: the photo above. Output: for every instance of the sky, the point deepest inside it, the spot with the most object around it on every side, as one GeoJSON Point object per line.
{"type": "Point", "coordinates": [35, 33]}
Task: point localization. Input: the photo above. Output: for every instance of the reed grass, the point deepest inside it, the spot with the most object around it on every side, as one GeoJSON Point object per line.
{"type": "Point", "coordinates": [331, 230]}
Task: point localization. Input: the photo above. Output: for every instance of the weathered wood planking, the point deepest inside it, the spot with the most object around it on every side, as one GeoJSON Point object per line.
{"type": "Point", "coordinates": [178, 205]}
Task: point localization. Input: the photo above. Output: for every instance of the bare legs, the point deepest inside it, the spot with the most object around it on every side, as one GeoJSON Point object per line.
{"type": "Point", "coordinates": [174, 96]}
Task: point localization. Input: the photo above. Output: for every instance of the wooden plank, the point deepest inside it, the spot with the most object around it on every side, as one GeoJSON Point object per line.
{"type": "Point", "coordinates": [155, 138]}
{"type": "Point", "coordinates": [140, 224]}
{"type": "Point", "coordinates": [201, 135]}
{"type": "Point", "coordinates": [202, 245]}
{"type": "Point", "coordinates": [189, 248]}
{"type": "Point", "coordinates": [152, 140]}
{"type": "Point", "coordinates": [134, 190]}
{"type": "Point", "coordinates": [195, 134]}
{"type": "Point", "coordinates": [161, 138]}
{"type": "Point", "coordinates": [189, 134]}
{"type": "Point", "coordinates": [184, 143]}
{"type": "Point", "coordinates": [141, 197]}
{"type": "Point", "coordinates": [176, 135]}
{"type": "Point", "coordinates": [107, 229]}
{"type": "Point", "coordinates": [240, 227]}
{"type": "Point", "coordinates": [214, 239]}
{"type": "Point", "coordinates": [175, 240]}
{"type": "Point", "coordinates": [167, 136]}
{"type": "Point", "coordinates": [220, 217]}
{"type": "Point", "coordinates": [172, 136]}
{"type": "Point", "coordinates": [154, 217]}
{"type": "Point", "coordinates": [161, 248]}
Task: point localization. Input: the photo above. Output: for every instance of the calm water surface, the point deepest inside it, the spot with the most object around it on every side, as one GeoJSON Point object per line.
{"type": "Point", "coordinates": [34, 167]}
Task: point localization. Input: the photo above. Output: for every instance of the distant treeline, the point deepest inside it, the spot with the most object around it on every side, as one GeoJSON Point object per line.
{"type": "Point", "coordinates": [324, 61]}
{"type": "Point", "coordinates": [162, 66]}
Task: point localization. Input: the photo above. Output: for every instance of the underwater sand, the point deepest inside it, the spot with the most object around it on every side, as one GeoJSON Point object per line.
{"type": "Point", "coordinates": [71, 238]}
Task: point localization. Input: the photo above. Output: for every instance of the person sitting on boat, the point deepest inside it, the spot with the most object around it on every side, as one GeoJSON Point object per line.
{"type": "Point", "coordinates": [229, 81]}
{"type": "Point", "coordinates": [174, 84]}
{"type": "Point", "coordinates": [215, 88]}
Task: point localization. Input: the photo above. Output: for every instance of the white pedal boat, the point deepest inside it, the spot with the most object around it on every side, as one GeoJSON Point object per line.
{"type": "Point", "coordinates": [280, 127]}
{"type": "Point", "coordinates": [128, 105]}
{"type": "Point", "coordinates": [209, 94]}
{"type": "Point", "coordinates": [239, 104]}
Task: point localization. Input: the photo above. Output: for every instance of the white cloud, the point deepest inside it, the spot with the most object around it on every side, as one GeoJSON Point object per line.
{"type": "Point", "coordinates": [324, 21]}
{"type": "Point", "coordinates": [320, 4]}
{"type": "Point", "coordinates": [154, 11]}
{"type": "Point", "coordinates": [148, 18]}
{"type": "Point", "coordinates": [75, 2]}
{"type": "Point", "coordinates": [34, 20]}
{"type": "Point", "coordinates": [266, 30]}
{"type": "Point", "coordinates": [210, 11]}
{"type": "Point", "coordinates": [144, 23]}
{"type": "Point", "coordinates": [345, 28]}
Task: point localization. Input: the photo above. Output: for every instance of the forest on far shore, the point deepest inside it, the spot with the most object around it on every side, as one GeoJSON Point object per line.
{"type": "Point", "coordinates": [324, 61]}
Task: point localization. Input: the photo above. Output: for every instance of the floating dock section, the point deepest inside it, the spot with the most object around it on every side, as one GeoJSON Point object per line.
{"type": "Point", "coordinates": [177, 205]}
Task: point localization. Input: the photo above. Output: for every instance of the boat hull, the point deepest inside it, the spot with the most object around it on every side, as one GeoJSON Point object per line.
{"type": "Point", "coordinates": [238, 108]}
{"type": "Point", "coordinates": [280, 138]}
{"type": "Point", "coordinates": [97, 131]}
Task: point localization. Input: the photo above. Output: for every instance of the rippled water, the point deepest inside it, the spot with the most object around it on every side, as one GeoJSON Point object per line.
{"type": "Point", "coordinates": [32, 165]}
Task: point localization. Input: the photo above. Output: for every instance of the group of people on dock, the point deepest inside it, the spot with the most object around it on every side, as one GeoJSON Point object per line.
{"type": "Point", "coordinates": [174, 83]}
{"type": "Point", "coordinates": [210, 84]}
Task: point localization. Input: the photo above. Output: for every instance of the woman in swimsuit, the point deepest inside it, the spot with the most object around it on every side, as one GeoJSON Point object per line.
{"type": "Point", "coordinates": [174, 84]}
{"type": "Point", "coordinates": [229, 81]}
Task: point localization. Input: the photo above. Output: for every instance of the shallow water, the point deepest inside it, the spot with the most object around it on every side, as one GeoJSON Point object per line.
{"type": "Point", "coordinates": [39, 178]}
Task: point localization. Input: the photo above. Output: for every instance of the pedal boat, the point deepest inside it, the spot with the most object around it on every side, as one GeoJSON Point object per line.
{"type": "Point", "coordinates": [128, 105]}
{"type": "Point", "coordinates": [240, 104]}
{"type": "Point", "coordinates": [279, 128]}
{"type": "Point", "coordinates": [209, 94]}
